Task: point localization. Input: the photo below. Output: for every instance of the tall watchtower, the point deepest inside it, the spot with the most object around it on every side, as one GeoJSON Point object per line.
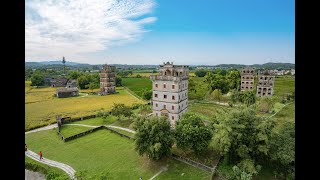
{"type": "Point", "coordinates": [170, 91]}
{"type": "Point", "coordinates": [107, 80]}
{"type": "Point", "coordinates": [247, 79]}
{"type": "Point", "coordinates": [265, 83]}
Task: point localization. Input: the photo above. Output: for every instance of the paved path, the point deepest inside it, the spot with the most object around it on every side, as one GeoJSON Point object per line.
{"type": "Point", "coordinates": [43, 128]}
{"type": "Point", "coordinates": [80, 125]}
{"type": "Point", "coordinates": [115, 127]}
{"type": "Point", "coordinates": [125, 129]}
{"type": "Point", "coordinates": [162, 169]}
{"type": "Point", "coordinates": [68, 169]}
{"type": "Point", "coordinates": [279, 110]}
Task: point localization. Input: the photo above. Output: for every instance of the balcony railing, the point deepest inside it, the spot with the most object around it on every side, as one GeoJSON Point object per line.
{"type": "Point", "coordinates": [168, 78]}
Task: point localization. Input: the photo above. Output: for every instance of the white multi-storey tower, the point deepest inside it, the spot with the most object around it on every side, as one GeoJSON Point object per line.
{"type": "Point", "coordinates": [170, 91]}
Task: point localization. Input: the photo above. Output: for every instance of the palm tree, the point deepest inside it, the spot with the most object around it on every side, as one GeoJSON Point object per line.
{"type": "Point", "coordinates": [64, 67]}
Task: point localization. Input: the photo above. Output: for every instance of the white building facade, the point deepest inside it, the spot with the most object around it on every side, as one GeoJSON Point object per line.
{"type": "Point", "coordinates": [170, 91]}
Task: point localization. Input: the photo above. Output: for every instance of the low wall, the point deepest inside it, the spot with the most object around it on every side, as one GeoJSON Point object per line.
{"type": "Point", "coordinates": [82, 134]}
{"type": "Point", "coordinates": [119, 133]}
{"type": "Point", "coordinates": [193, 163]}
{"type": "Point", "coordinates": [78, 119]}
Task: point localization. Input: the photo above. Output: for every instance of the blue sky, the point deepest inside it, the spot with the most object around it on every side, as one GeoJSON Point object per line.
{"type": "Point", "coordinates": [188, 32]}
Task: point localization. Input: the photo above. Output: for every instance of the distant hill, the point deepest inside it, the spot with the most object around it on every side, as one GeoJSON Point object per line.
{"type": "Point", "coordinates": [75, 65]}
{"type": "Point", "coordinates": [53, 63]}
{"type": "Point", "coordinates": [269, 65]}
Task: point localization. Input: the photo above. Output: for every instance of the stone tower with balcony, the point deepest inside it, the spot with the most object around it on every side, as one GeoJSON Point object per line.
{"type": "Point", "coordinates": [107, 80]}
{"type": "Point", "coordinates": [247, 79]}
{"type": "Point", "coordinates": [170, 91]}
{"type": "Point", "coordinates": [265, 83]}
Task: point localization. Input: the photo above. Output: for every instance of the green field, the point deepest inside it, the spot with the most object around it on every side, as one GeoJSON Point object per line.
{"type": "Point", "coordinates": [105, 151]}
{"type": "Point", "coordinates": [68, 131]}
{"type": "Point", "coordinates": [286, 114]}
{"type": "Point", "coordinates": [283, 85]}
{"type": "Point", "coordinates": [137, 84]}
{"type": "Point", "coordinates": [206, 110]}
{"type": "Point", "coordinates": [41, 107]}
{"type": "Point", "coordinates": [98, 121]}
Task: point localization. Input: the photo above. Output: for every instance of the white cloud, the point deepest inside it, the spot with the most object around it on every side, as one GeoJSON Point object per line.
{"type": "Point", "coordinates": [76, 28]}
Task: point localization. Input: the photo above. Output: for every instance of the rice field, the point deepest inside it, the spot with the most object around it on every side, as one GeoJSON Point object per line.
{"type": "Point", "coordinates": [41, 107]}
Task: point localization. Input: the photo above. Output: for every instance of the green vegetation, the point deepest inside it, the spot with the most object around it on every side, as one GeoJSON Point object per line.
{"type": "Point", "coordinates": [37, 79]}
{"type": "Point", "coordinates": [191, 133]}
{"type": "Point", "coordinates": [50, 172]}
{"type": "Point", "coordinates": [123, 132]}
{"type": "Point", "coordinates": [104, 151]}
{"type": "Point", "coordinates": [153, 137]}
{"type": "Point", "coordinates": [206, 110]}
{"type": "Point", "coordinates": [68, 131]}
{"type": "Point", "coordinates": [179, 170]}
{"type": "Point", "coordinates": [119, 110]}
{"type": "Point", "coordinates": [98, 121]}
{"type": "Point", "coordinates": [283, 85]}
{"type": "Point", "coordinates": [200, 73]}
{"type": "Point", "coordinates": [197, 88]}
{"type": "Point", "coordinates": [137, 85]}
{"type": "Point", "coordinates": [41, 107]}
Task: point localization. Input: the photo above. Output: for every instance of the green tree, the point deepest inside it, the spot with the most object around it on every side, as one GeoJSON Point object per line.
{"type": "Point", "coordinates": [234, 79]}
{"type": "Point", "coordinates": [84, 80]}
{"type": "Point", "coordinates": [37, 79]}
{"type": "Point", "coordinates": [74, 75]}
{"type": "Point", "coordinates": [120, 109]}
{"type": "Point", "coordinates": [200, 73]}
{"type": "Point", "coordinates": [146, 94]}
{"type": "Point", "coordinates": [191, 133]}
{"type": "Point", "coordinates": [235, 95]}
{"type": "Point", "coordinates": [241, 134]}
{"type": "Point", "coordinates": [92, 86]}
{"type": "Point", "coordinates": [153, 137]}
{"type": "Point", "coordinates": [217, 81]}
{"type": "Point", "coordinates": [282, 148]}
{"type": "Point", "coordinates": [266, 104]}
{"type": "Point", "coordinates": [118, 81]}
{"type": "Point", "coordinates": [249, 98]}
{"type": "Point", "coordinates": [192, 85]}
{"type": "Point", "coordinates": [216, 95]}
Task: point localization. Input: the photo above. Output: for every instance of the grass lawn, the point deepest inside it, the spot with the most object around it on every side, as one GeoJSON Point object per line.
{"type": "Point", "coordinates": [286, 114]}
{"type": "Point", "coordinates": [206, 110]}
{"type": "Point", "coordinates": [68, 131]}
{"type": "Point", "coordinates": [283, 85]}
{"type": "Point", "coordinates": [137, 84]}
{"type": "Point", "coordinates": [126, 123]}
{"type": "Point", "coordinates": [41, 107]}
{"type": "Point", "coordinates": [209, 158]}
{"type": "Point", "coordinates": [123, 132]}
{"type": "Point", "coordinates": [98, 121]}
{"type": "Point", "coordinates": [105, 151]}
{"type": "Point", "coordinates": [179, 170]}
